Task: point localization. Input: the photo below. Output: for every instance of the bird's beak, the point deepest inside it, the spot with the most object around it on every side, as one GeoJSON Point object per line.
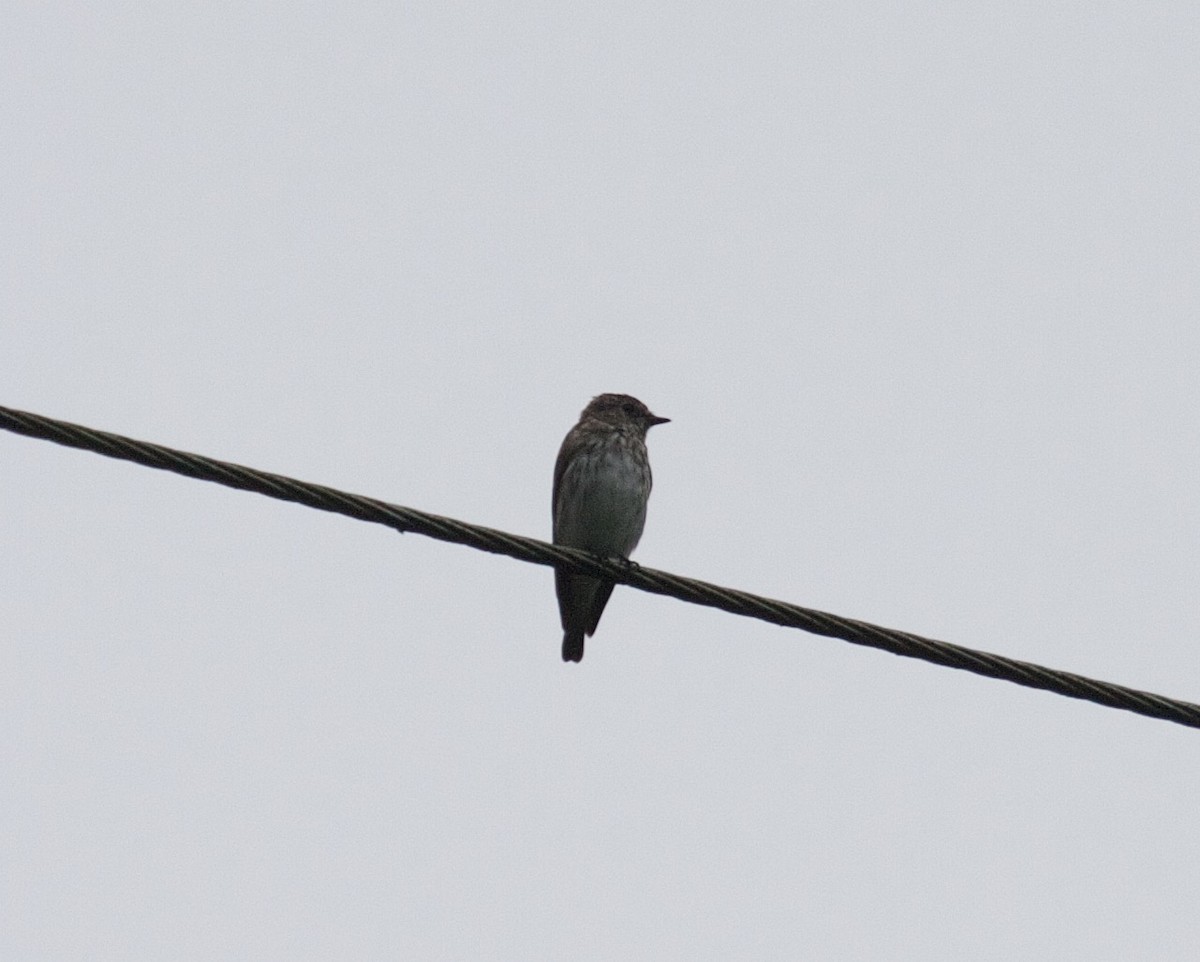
{"type": "Point", "coordinates": [655, 419]}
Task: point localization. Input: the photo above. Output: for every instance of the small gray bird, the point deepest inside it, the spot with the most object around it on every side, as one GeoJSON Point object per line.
{"type": "Point", "coordinates": [601, 486]}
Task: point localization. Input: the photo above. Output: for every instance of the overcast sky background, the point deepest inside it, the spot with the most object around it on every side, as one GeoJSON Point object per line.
{"type": "Point", "coordinates": [917, 284]}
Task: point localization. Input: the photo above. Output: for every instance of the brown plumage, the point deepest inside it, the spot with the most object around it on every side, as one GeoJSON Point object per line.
{"type": "Point", "coordinates": [602, 483]}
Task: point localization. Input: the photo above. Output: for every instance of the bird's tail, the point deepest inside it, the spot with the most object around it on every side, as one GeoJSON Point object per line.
{"type": "Point", "coordinates": [573, 645]}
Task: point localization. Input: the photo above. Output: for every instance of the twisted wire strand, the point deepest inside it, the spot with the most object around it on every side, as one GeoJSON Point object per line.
{"type": "Point", "coordinates": [408, 520]}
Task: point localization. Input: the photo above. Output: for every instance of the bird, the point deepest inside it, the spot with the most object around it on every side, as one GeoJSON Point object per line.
{"type": "Point", "coordinates": [601, 486]}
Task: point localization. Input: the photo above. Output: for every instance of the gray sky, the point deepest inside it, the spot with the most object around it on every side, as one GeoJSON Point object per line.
{"type": "Point", "coordinates": [915, 282]}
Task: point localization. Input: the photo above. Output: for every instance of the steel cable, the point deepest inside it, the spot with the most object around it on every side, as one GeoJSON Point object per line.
{"type": "Point", "coordinates": [647, 579]}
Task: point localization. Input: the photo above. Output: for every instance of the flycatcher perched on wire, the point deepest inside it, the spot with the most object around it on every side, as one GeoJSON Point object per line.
{"type": "Point", "coordinates": [601, 487]}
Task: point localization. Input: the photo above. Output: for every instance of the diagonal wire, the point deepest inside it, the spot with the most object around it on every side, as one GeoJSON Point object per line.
{"type": "Point", "coordinates": [647, 579]}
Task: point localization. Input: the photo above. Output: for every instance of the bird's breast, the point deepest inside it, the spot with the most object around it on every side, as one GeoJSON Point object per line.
{"type": "Point", "coordinates": [602, 499]}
